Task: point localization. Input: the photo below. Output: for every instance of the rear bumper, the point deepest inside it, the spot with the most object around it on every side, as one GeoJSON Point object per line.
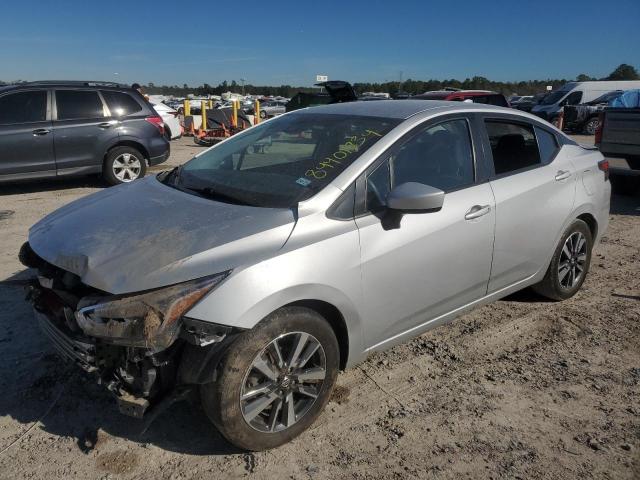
{"type": "Point", "coordinates": [160, 158]}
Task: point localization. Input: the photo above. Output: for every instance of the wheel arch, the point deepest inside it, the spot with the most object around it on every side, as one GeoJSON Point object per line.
{"type": "Point", "coordinates": [591, 222]}
{"type": "Point", "coordinates": [126, 143]}
{"type": "Point", "coordinates": [336, 321]}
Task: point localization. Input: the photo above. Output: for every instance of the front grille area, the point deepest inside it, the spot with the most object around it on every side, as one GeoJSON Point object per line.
{"type": "Point", "coordinates": [82, 353]}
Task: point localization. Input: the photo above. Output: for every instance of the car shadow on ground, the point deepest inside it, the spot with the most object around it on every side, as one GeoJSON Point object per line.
{"type": "Point", "coordinates": [52, 184]}
{"type": "Point", "coordinates": [38, 387]}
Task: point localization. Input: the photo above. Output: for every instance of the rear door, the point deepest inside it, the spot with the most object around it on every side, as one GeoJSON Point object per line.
{"type": "Point", "coordinates": [26, 142]}
{"type": "Point", "coordinates": [418, 266]}
{"type": "Point", "coordinates": [534, 187]}
{"type": "Point", "coordinates": [81, 129]}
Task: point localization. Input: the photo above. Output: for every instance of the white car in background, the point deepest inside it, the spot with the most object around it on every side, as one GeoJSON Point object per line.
{"type": "Point", "coordinates": [172, 127]}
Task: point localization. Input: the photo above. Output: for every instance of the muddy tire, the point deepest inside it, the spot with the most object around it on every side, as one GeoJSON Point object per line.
{"type": "Point", "coordinates": [569, 265]}
{"type": "Point", "coordinates": [123, 165]}
{"type": "Point", "coordinates": [274, 380]}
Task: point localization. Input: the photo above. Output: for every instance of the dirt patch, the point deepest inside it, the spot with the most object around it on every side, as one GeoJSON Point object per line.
{"type": "Point", "coordinates": [340, 395]}
{"type": "Point", "coordinates": [118, 462]}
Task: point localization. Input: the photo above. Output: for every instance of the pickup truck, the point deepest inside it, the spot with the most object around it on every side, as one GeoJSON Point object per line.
{"type": "Point", "coordinates": [585, 117]}
{"type": "Point", "coordinates": [618, 136]}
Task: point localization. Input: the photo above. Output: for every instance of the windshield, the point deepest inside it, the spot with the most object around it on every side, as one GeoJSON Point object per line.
{"type": "Point", "coordinates": [554, 97]}
{"type": "Point", "coordinates": [283, 161]}
{"type": "Point", "coordinates": [607, 97]}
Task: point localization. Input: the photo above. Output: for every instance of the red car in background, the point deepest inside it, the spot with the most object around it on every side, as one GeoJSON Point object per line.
{"type": "Point", "coordinates": [475, 96]}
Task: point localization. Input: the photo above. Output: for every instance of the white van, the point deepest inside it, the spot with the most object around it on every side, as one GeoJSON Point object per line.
{"type": "Point", "coordinates": [574, 93]}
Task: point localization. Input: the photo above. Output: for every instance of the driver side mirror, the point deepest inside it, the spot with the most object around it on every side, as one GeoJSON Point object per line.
{"type": "Point", "coordinates": [412, 197]}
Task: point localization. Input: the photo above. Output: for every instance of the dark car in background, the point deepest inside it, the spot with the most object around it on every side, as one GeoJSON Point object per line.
{"type": "Point", "coordinates": [585, 117]}
{"type": "Point", "coordinates": [54, 129]}
{"type": "Point", "coordinates": [332, 91]}
{"type": "Point", "coordinates": [475, 96]}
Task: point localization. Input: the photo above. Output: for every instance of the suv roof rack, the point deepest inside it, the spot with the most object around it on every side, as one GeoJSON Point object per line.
{"type": "Point", "coordinates": [79, 83]}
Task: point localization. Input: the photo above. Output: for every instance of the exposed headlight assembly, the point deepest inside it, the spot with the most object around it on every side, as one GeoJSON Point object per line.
{"type": "Point", "coordinates": [149, 320]}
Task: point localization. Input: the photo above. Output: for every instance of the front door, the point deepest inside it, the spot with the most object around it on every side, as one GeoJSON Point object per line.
{"type": "Point", "coordinates": [419, 266]}
{"type": "Point", "coordinates": [26, 141]}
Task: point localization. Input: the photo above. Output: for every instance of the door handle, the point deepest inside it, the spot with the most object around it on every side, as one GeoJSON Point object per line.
{"type": "Point", "coordinates": [108, 124]}
{"type": "Point", "coordinates": [477, 211]}
{"type": "Point", "coordinates": [562, 175]}
{"type": "Point", "coordinates": [38, 132]}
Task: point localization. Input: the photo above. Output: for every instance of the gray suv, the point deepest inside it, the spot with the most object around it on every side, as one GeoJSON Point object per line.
{"type": "Point", "coordinates": [56, 129]}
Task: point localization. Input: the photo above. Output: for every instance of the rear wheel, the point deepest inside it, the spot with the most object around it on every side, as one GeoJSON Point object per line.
{"type": "Point", "coordinates": [569, 265]}
{"type": "Point", "coordinates": [591, 126]}
{"type": "Point", "coordinates": [123, 165]}
{"type": "Point", "coordinates": [274, 380]}
{"type": "Point", "coordinates": [263, 114]}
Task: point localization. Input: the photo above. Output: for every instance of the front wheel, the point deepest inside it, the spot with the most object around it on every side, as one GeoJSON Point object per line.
{"type": "Point", "coordinates": [263, 114]}
{"type": "Point", "coordinates": [274, 380]}
{"type": "Point", "coordinates": [569, 265]}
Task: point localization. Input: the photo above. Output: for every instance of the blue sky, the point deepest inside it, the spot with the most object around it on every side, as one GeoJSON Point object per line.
{"type": "Point", "coordinates": [176, 42]}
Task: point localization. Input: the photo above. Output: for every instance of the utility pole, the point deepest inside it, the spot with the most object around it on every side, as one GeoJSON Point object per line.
{"type": "Point", "coordinates": [242, 80]}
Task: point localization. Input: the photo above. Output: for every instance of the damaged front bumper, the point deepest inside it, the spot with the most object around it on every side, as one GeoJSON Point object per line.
{"type": "Point", "coordinates": [141, 347]}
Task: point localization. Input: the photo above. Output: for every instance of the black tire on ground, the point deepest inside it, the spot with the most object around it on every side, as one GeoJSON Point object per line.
{"type": "Point", "coordinates": [263, 114]}
{"type": "Point", "coordinates": [550, 286]}
{"type": "Point", "coordinates": [625, 184]}
{"type": "Point", "coordinates": [221, 399]}
{"type": "Point", "coordinates": [591, 126]}
{"type": "Point", "coordinates": [119, 154]}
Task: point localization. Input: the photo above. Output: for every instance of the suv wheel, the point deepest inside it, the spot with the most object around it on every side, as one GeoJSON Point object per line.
{"type": "Point", "coordinates": [123, 165]}
{"type": "Point", "coordinates": [591, 126]}
{"type": "Point", "coordinates": [569, 265]}
{"type": "Point", "coordinates": [274, 380]}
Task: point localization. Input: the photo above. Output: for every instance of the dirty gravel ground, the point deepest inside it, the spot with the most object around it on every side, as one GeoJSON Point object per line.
{"type": "Point", "coordinates": [523, 388]}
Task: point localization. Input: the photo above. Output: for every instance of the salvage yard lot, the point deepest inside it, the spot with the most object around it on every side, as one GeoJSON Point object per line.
{"type": "Point", "coordinates": [523, 388]}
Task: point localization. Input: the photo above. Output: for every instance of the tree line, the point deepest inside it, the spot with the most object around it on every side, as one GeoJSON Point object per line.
{"type": "Point", "coordinates": [410, 86]}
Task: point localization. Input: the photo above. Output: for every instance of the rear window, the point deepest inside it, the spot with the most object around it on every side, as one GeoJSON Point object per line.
{"type": "Point", "coordinates": [23, 107]}
{"type": "Point", "coordinates": [547, 144]}
{"type": "Point", "coordinates": [77, 104]}
{"type": "Point", "coordinates": [120, 103]}
{"type": "Point", "coordinates": [513, 146]}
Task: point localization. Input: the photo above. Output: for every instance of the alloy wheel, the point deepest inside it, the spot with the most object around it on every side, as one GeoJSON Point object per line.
{"type": "Point", "coordinates": [126, 167]}
{"type": "Point", "coordinates": [283, 382]}
{"type": "Point", "coordinates": [572, 260]}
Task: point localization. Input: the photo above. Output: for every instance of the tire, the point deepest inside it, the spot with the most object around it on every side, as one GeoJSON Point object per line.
{"type": "Point", "coordinates": [167, 133]}
{"type": "Point", "coordinates": [591, 126]}
{"type": "Point", "coordinates": [123, 165]}
{"type": "Point", "coordinates": [263, 114]}
{"type": "Point", "coordinates": [236, 420]}
{"type": "Point", "coordinates": [557, 283]}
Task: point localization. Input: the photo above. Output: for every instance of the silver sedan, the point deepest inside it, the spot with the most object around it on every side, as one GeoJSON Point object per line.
{"type": "Point", "coordinates": [266, 264]}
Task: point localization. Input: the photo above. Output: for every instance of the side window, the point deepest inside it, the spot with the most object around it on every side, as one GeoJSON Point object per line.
{"type": "Point", "coordinates": [573, 98]}
{"type": "Point", "coordinates": [440, 156]}
{"type": "Point", "coordinates": [75, 104]}
{"type": "Point", "coordinates": [547, 144]}
{"type": "Point", "coordinates": [378, 186]}
{"type": "Point", "coordinates": [23, 107]}
{"type": "Point", "coordinates": [513, 146]}
{"type": "Point", "coordinates": [120, 104]}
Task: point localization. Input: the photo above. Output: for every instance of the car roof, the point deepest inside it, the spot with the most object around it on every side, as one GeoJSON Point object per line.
{"type": "Point", "coordinates": [400, 109]}
{"type": "Point", "coordinates": [79, 84]}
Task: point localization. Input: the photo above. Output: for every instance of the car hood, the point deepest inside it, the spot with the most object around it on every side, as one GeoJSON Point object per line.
{"type": "Point", "coordinates": [145, 235]}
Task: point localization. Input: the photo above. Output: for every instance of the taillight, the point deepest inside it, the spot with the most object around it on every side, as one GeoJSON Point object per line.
{"type": "Point", "coordinates": [598, 138]}
{"type": "Point", "coordinates": [604, 166]}
{"type": "Point", "coordinates": [157, 122]}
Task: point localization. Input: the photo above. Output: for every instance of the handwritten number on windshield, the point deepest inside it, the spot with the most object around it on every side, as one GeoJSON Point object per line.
{"type": "Point", "coordinates": [345, 150]}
